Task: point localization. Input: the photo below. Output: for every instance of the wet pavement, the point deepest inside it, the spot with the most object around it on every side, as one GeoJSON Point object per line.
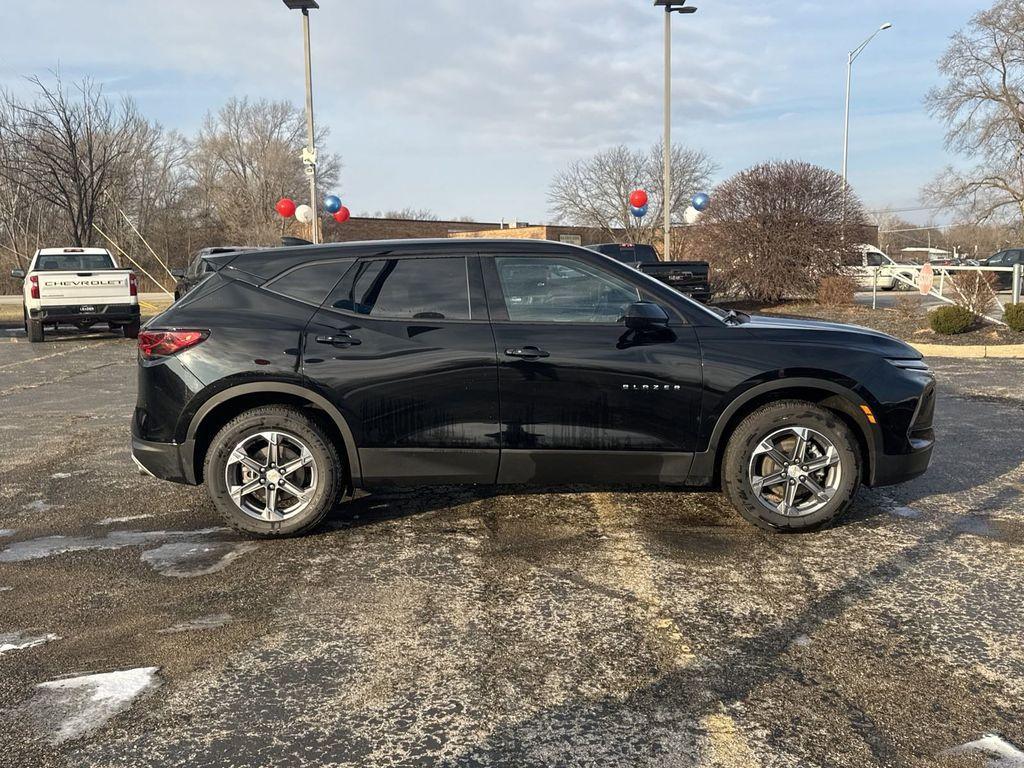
{"type": "Point", "coordinates": [455, 627]}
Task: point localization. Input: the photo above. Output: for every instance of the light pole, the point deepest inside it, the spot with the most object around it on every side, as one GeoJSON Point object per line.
{"type": "Point", "coordinates": [670, 6]}
{"type": "Point", "coordinates": [849, 83]}
{"type": "Point", "coordinates": [309, 153]}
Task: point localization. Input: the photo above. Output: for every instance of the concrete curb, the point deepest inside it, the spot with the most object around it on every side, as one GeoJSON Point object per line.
{"type": "Point", "coordinates": [972, 352]}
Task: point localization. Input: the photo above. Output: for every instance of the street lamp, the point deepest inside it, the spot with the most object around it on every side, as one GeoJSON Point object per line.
{"type": "Point", "coordinates": [309, 153]}
{"type": "Point", "coordinates": [849, 81]}
{"type": "Point", "coordinates": [670, 6]}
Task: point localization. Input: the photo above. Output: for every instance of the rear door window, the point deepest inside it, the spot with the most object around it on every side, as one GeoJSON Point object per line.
{"type": "Point", "coordinates": [74, 262]}
{"type": "Point", "coordinates": [408, 289]}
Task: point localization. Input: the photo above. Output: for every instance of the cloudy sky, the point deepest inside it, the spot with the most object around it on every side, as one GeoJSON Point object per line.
{"type": "Point", "coordinates": [467, 107]}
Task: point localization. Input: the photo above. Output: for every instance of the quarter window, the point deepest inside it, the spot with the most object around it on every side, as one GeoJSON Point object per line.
{"type": "Point", "coordinates": [561, 290]}
{"type": "Point", "coordinates": [408, 289]}
{"type": "Point", "coordinates": [311, 283]}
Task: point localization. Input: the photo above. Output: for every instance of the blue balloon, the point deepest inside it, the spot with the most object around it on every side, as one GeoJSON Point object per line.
{"type": "Point", "coordinates": [701, 201]}
{"type": "Point", "coordinates": [332, 203]}
{"type": "Point", "coordinates": [639, 212]}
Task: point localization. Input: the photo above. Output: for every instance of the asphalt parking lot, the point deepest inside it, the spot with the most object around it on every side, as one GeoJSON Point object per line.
{"type": "Point", "coordinates": [458, 628]}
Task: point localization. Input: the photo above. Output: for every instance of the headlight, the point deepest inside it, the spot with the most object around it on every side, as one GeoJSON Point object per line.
{"type": "Point", "coordinates": [912, 365]}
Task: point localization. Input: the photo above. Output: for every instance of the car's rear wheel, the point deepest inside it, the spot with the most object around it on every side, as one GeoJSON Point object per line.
{"type": "Point", "coordinates": [36, 333]}
{"type": "Point", "coordinates": [791, 466]}
{"type": "Point", "coordinates": [273, 472]}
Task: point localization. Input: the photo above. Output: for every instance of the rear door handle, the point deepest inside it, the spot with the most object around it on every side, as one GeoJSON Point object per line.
{"type": "Point", "coordinates": [527, 353]}
{"type": "Point", "coordinates": [343, 339]}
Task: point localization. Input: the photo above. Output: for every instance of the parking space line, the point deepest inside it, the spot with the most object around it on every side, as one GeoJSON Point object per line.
{"type": "Point", "coordinates": [54, 354]}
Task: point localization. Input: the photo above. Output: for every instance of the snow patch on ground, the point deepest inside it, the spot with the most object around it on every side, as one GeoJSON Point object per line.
{"type": "Point", "coordinates": [73, 707]}
{"type": "Point", "coordinates": [6, 533]}
{"type": "Point", "coordinates": [205, 622]}
{"type": "Point", "coordinates": [115, 520]}
{"type": "Point", "coordinates": [60, 475]}
{"type": "Point", "coordinates": [6, 589]}
{"type": "Point", "coordinates": [19, 641]}
{"type": "Point", "coordinates": [38, 506]}
{"type": "Point", "coordinates": [1002, 753]}
{"type": "Point", "coordinates": [188, 559]}
{"type": "Point", "coordinates": [48, 546]}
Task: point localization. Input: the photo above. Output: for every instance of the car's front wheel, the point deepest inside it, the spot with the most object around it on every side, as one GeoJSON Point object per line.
{"type": "Point", "coordinates": [273, 472]}
{"type": "Point", "coordinates": [791, 466]}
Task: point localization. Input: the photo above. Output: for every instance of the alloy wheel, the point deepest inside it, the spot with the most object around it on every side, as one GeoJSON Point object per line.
{"type": "Point", "coordinates": [271, 476]}
{"type": "Point", "coordinates": [795, 471]}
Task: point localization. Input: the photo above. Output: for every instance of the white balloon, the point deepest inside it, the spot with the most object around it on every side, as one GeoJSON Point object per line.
{"type": "Point", "coordinates": [304, 214]}
{"type": "Point", "coordinates": [691, 215]}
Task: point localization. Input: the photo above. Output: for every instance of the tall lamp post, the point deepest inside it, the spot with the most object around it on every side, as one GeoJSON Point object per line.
{"type": "Point", "coordinates": [856, 52]}
{"type": "Point", "coordinates": [309, 153]}
{"type": "Point", "coordinates": [670, 6]}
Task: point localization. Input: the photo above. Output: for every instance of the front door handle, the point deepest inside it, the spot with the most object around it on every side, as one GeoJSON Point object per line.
{"type": "Point", "coordinates": [343, 339]}
{"type": "Point", "coordinates": [527, 353]}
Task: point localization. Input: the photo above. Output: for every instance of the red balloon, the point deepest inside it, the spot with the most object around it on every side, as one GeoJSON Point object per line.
{"type": "Point", "coordinates": [638, 199]}
{"type": "Point", "coordinates": [343, 215]}
{"type": "Point", "coordinates": [285, 207]}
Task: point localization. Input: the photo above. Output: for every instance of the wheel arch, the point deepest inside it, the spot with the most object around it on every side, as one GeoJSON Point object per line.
{"type": "Point", "coordinates": [224, 406]}
{"type": "Point", "coordinates": [842, 401]}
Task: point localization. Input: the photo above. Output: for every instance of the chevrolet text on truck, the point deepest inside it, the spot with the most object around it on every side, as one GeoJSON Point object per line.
{"type": "Point", "coordinates": [80, 287]}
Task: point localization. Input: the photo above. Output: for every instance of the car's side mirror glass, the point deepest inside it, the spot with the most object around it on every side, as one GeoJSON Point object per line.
{"type": "Point", "coordinates": [645, 315]}
{"type": "Point", "coordinates": [18, 273]}
{"type": "Point", "coordinates": [178, 273]}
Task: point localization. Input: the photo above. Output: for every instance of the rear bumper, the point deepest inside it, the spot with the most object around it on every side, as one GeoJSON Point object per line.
{"type": "Point", "coordinates": [161, 460]}
{"type": "Point", "coordinates": [101, 313]}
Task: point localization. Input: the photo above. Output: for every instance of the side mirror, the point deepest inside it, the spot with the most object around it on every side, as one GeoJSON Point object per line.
{"type": "Point", "coordinates": [644, 316]}
{"type": "Point", "coordinates": [18, 273]}
{"type": "Point", "coordinates": [177, 273]}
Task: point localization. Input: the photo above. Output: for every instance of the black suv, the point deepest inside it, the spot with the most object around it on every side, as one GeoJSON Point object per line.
{"type": "Point", "coordinates": [291, 377]}
{"type": "Point", "coordinates": [1010, 258]}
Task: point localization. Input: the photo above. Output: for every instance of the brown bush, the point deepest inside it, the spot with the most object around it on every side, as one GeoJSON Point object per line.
{"type": "Point", "coordinates": [908, 306]}
{"type": "Point", "coordinates": [974, 291]}
{"type": "Point", "coordinates": [836, 291]}
{"type": "Point", "coordinates": [775, 230]}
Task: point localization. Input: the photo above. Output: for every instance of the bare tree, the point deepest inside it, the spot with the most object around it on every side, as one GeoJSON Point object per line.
{"type": "Point", "coordinates": [594, 192]}
{"type": "Point", "coordinates": [246, 157]}
{"type": "Point", "coordinates": [70, 148]}
{"type": "Point", "coordinates": [982, 106]}
{"type": "Point", "coordinates": [777, 229]}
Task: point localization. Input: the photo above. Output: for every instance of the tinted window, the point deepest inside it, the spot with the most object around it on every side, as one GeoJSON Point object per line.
{"type": "Point", "coordinates": [560, 290]}
{"type": "Point", "coordinates": [74, 262]}
{"type": "Point", "coordinates": [997, 260]}
{"type": "Point", "coordinates": [311, 283]}
{"type": "Point", "coordinates": [408, 289]}
{"type": "Point", "coordinates": [875, 259]}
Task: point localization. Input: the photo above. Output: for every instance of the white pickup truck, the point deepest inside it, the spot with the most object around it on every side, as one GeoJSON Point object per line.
{"type": "Point", "coordinates": [80, 287]}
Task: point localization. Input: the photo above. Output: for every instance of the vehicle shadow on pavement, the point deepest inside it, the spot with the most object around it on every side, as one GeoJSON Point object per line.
{"type": "Point", "coordinates": [679, 701]}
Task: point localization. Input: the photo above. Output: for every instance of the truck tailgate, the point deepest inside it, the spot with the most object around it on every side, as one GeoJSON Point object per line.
{"type": "Point", "coordinates": [105, 287]}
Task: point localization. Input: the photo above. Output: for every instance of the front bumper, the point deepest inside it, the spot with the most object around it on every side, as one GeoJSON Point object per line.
{"type": "Point", "coordinates": [97, 313]}
{"type": "Point", "coordinates": [893, 470]}
{"type": "Point", "coordinates": [161, 460]}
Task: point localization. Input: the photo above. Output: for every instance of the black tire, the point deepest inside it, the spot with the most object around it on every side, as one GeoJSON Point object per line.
{"type": "Point", "coordinates": [754, 429]}
{"type": "Point", "coordinates": [131, 330]}
{"type": "Point", "coordinates": [330, 470]}
{"type": "Point", "coordinates": [36, 333]}
{"type": "Point", "coordinates": [891, 287]}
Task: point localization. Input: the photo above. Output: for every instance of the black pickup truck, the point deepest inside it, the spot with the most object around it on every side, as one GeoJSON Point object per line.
{"type": "Point", "coordinates": [688, 277]}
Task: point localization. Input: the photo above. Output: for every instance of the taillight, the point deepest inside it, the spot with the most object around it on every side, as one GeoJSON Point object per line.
{"type": "Point", "coordinates": [133, 284]}
{"type": "Point", "coordinates": [154, 344]}
{"type": "Point", "coordinates": [33, 282]}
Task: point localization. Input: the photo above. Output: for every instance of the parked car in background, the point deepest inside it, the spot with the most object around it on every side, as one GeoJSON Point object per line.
{"type": "Point", "coordinates": [691, 278]}
{"type": "Point", "coordinates": [291, 377]}
{"type": "Point", "coordinates": [198, 270]}
{"type": "Point", "coordinates": [872, 268]}
{"type": "Point", "coordinates": [79, 287]}
{"type": "Point", "coordinates": [1007, 258]}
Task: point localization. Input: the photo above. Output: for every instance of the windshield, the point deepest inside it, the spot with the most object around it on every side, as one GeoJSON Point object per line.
{"type": "Point", "coordinates": [74, 262]}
